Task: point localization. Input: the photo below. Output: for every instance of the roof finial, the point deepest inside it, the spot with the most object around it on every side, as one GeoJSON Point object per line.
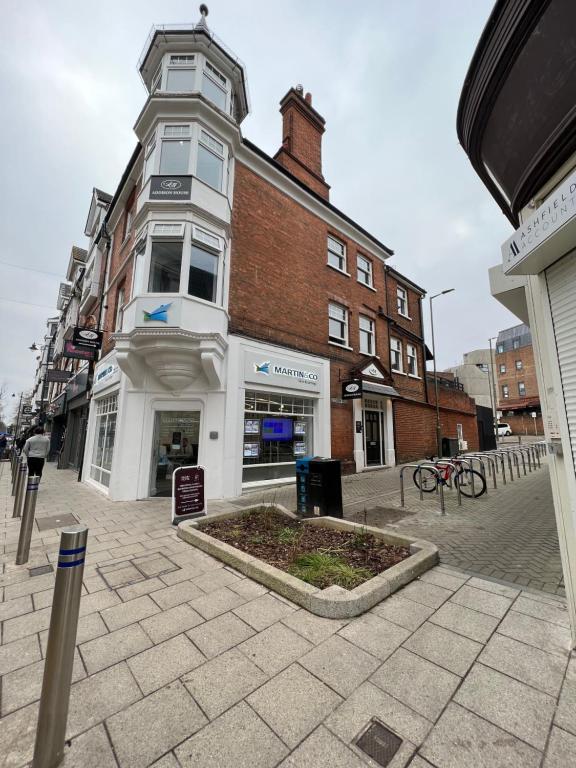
{"type": "Point", "coordinates": [204, 10]}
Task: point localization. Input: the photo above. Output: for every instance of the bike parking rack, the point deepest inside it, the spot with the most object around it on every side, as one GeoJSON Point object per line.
{"type": "Point", "coordinates": [443, 463]}
{"type": "Point", "coordinates": [439, 486]}
{"type": "Point", "coordinates": [471, 468]}
{"type": "Point", "coordinates": [492, 464]}
{"type": "Point", "coordinates": [471, 457]}
{"type": "Point", "coordinates": [514, 453]}
{"type": "Point", "coordinates": [526, 451]}
{"type": "Point", "coordinates": [499, 455]}
{"type": "Point", "coordinates": [404, 468]}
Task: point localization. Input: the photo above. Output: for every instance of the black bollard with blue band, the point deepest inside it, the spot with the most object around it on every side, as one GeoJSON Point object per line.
{"type": "Point", "coordinates": [27, 523]}
{"type": "Point", "coordinates": [53, 714]}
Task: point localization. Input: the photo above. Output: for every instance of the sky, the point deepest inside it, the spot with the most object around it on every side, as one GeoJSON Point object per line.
{"type": "Point", "coordinates": [386, 76]}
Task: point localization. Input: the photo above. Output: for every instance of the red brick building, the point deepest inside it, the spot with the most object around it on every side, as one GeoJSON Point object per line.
{"type": "Point", "coordinates": [518, 396]}
{"type": "Point", "coordinates": [236, 300]}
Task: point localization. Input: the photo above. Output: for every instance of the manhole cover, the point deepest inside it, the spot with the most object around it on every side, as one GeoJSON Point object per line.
{"type": "Point", "coordinates": [56, 521]}
{"type": "Point", "coordinates": [120, 574]}
{"type": "Point", "coordinates": [379, 743]}
{"type": "Point", "coordinates": [40, 570]}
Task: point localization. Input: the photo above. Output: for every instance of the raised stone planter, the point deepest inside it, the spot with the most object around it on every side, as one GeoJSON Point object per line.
{"type": "Point", "coordinates": [333, 602]}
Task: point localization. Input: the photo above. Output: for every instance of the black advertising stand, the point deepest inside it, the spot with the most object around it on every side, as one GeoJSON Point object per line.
{"type": "Point", "coordinates": [188, 497]}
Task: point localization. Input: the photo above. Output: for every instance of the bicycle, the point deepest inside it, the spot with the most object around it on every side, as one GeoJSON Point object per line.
{"type": "Point", "coordinates": [430, 479]}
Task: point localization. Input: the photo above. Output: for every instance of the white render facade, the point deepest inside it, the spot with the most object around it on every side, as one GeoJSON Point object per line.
{"type": "Point", "coordinates": [129, 417]}
{"type": "Point", "coordinates": [178, 389]}
{"type": "Point", "coordinates": [537, 282]}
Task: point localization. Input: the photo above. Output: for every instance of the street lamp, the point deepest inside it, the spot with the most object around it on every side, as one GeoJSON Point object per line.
{"type": "Point", "coordinates": [18, 416]}
{"type": "Point", "coordinates": [438, 436]}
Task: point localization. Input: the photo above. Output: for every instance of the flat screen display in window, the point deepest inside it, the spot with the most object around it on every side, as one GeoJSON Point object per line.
{"type": "Point", "coordinates": [251, 450]}
{"type": "Point", "coordinates": [299, 427]}
{"type": "Point", "coordinates": [251, 426]}
{"type": "Point", "coordinates": [278, 430]}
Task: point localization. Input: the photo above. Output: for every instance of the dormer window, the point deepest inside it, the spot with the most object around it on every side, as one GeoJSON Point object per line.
{"type": "Point", "coordinates": [214, 85]}
{"type": "Point", "coordinates": [181, 73]}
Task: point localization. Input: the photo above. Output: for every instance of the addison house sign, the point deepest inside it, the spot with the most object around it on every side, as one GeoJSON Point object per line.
{"type": "Point", "coordinates": [170, 187]}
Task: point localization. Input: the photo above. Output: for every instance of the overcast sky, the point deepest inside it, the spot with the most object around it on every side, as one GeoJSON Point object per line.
{"type": "Point", "coordinates": [385, 74]}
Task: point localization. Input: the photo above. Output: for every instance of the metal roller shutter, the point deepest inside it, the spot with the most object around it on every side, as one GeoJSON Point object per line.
{"type": "Point", "coordinates": [561, 279]}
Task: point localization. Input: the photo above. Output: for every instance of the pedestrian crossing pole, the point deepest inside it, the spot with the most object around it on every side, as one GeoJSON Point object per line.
{"type": "Point", "coordinates": [55, 698]}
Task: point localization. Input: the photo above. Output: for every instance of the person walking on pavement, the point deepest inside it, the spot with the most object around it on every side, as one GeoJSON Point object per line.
{"type": "Point", "coordinates": [3, 444]}
{"type": "Point", "coordinates": [36, 449]}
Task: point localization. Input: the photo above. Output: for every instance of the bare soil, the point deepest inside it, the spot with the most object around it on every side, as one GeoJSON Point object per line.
{"type": "Point", "coordinates": [279, 541]}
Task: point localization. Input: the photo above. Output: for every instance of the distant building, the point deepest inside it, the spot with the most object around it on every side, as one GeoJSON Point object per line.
{"type": "Point", "coordinates": [518, 396]}
{"type": "Point", "coordinates": [475, 376]}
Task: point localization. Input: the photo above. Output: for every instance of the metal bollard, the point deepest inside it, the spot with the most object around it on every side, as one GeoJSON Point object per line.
{"type": "Point", "coordinates": [15, 474]}
{"type": "Point", "coordinates": [27, 523]}
{"type": "Point", "coordinates": [54, 701]}
{"type": "Point", "coordinates": [20, 488]}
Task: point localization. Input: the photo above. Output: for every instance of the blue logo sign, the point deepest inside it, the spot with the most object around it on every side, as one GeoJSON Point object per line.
{"type": "Point", "coordinates": [160, 314]}
{"type": "Point", "coordinates": [262, 368]}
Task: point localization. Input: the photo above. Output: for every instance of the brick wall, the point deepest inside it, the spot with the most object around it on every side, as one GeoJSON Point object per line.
{"type": "Point", "coordinates": [281, 285]}
{"type": "Point", "coordinates": [119, 276]}
{"type": "Point", "coordinates": [522, 423]}
{"type": "Point", "coordinates": [512, 376]}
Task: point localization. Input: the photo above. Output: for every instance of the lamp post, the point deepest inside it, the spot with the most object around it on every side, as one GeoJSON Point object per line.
{"type": "Point", "coordinates": [438, 435]}
{"type": "Point", "coordinates": [18, 416]}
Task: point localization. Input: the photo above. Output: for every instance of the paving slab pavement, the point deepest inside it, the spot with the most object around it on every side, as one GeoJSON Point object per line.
{"type": "Point", "coordinates": [182, 662]}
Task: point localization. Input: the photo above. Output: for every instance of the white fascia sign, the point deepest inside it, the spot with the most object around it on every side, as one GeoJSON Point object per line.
{"type": "Point", "coordinates": [545, 235]}
{"type": "Point", "coordinates": [106, 374]}
{"type": "Point", "coordinates": [264, 369]}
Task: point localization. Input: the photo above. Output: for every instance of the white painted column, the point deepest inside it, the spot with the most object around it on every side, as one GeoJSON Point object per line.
{"type": "Point", "coordinates": [390, 453]}
{"type": "Point", "coordinates": [359, 457]}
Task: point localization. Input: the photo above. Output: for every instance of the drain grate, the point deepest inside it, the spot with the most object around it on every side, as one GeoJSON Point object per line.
{"type": "Point", "coordinates": [40, 570]}
{"type": "Point", "coordinates": [379, 743]}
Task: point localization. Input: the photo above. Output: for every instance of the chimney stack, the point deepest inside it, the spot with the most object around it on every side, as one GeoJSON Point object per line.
{"type": "Point", "coordinates": [301, 150]}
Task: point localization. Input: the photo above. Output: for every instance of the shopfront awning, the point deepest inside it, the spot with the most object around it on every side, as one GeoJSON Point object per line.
{"type": "Point", "coordinates": [380, 389]}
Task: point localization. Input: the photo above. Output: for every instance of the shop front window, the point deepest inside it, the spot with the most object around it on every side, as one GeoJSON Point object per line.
{"type": "Point", "coordinates": [106, 411]}
{"type": "Point", "coordinates": [175, 444]}
{"type": "Point", "coordinates": [278, 429]}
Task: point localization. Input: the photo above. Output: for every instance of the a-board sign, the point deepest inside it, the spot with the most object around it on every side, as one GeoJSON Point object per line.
{"type": "Point", "coordinates": [188, 498]}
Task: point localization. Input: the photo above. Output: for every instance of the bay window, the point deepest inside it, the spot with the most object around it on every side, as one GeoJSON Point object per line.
{"type": "Point", "coordinates": [174, 157]}
{"type": "Point", "coordinates": [214, 86]}
{"type": "Point", "coordinates": [203, 274]}
{"type": "Point", "coordinates": [210, 161]}
{"type": "Point", "coordinates": [165, 266]}
{"type": "Point", "coordinates": [181, 73]}
{"type": "Point", "coordinates": [184, 259]}
{"type": "Point", "coordinates": [185, 149]}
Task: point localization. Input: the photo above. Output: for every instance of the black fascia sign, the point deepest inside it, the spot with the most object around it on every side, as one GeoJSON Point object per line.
{"type": "Point", "coordinates": [170, 187]}
{"type": "Point", "coordinates": [87, 338]}
{"type": "Point", "coordinates": [352, 390]}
